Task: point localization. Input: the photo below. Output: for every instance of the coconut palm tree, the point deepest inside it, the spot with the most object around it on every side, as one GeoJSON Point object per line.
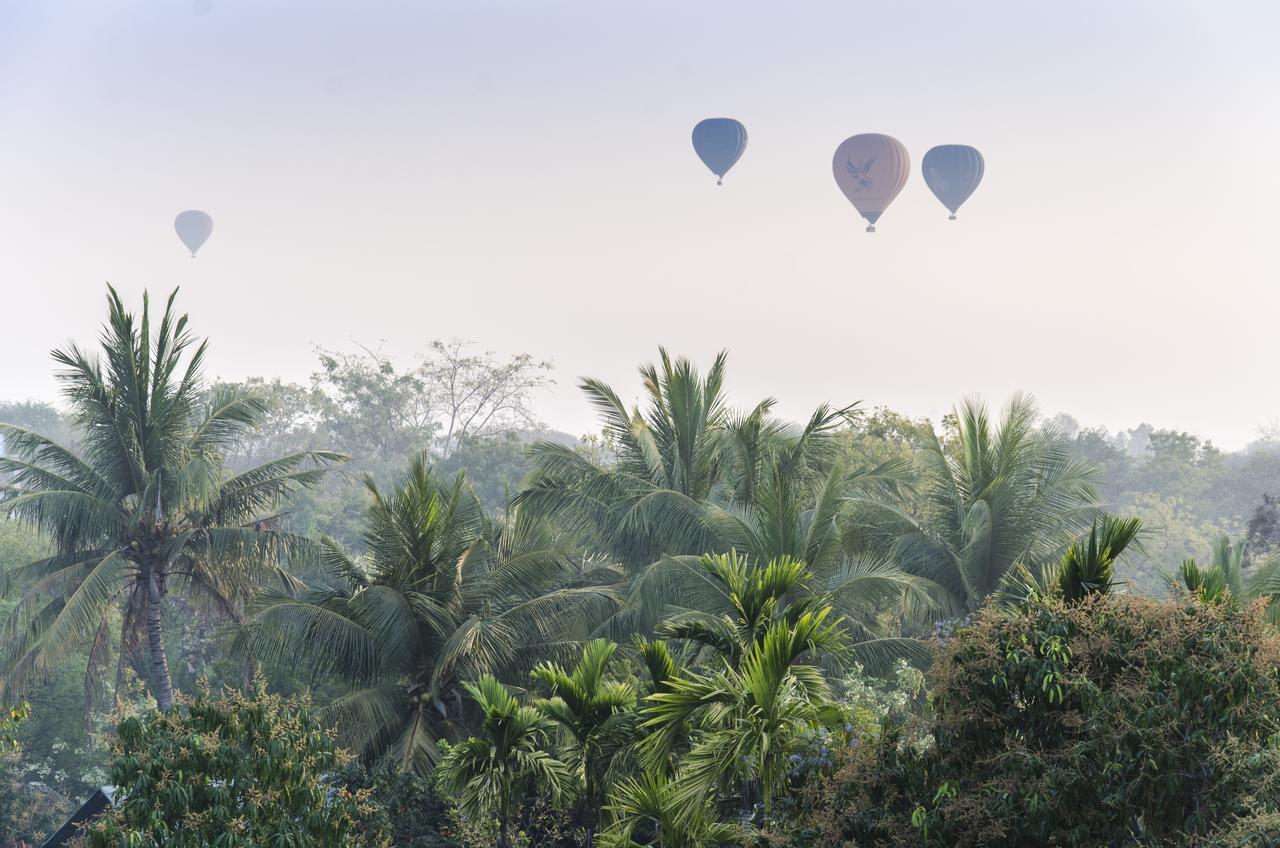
{"type": "Point", "coordinates": [596, 715]}
{"type": "Point", "coordinates": [670, 459]}
{"type": "Point", "coordinates": [145, 508]}
{"type": "Point", "coordinates": [491, 772]}
{"type": "Point", "coordinates": [769, 489]}
{"type": "Point", "coordinates": [994, 497]}
{"type": "Point", "coordinates": [444, 593]}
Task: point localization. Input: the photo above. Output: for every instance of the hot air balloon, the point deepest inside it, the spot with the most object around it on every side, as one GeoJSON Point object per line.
{"type": "Point", "coordinates": [952, 172]}
{"type": "Point", "coordinates": [194, 228]}
{"type": "Point", "coordinates": [871, 169]}
{"type": "Point", "coordinates": [719, 143]}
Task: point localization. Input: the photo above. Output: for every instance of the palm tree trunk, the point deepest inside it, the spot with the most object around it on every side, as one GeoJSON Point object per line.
{"type": "Point", "coordinates": [161, 681]}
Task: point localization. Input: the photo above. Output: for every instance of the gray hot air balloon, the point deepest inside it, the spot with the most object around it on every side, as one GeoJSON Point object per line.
{"type": "Point", "coordinates": [952, 172]}
{"type": "Point", "coordinates": [719, 143]}
{"type": "Point", "coordinates": [194, 228]}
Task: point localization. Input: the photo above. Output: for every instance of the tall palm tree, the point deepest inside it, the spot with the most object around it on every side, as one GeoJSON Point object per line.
{"type": "Point", "coordinates": [670, 459]}
{"type": "Point", "coordinates": [801, 508]}
{"type": "Point", "coordinates": [994, 497]}
{"type": "Point", "coordinates": [145, 508]}
{"type": "Point", "coordinates": [491, 772]}
{"type": "Point", "coordinates": [747, 718]}
{"type": "Point", "coordinates": [444, 593]}
{"type": "Point", "coordinates": [596, 716]}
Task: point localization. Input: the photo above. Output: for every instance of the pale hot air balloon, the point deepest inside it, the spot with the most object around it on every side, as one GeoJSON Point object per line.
{"type": "Point", "coordinates": [952, 172]}
{"type": "Point", "coordinates": [194, 228]}
{"type": "Point", "coordinates": [719, 143]}
{"type": "Point", "coordinates": [871, 169]}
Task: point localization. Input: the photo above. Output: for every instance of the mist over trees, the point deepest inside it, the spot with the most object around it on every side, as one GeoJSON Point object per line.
{"type": "Point", "coordinates": [700, 624]}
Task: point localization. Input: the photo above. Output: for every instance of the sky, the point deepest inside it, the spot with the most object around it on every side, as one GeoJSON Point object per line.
{"type": "Point", "coordinates": [520, 174]}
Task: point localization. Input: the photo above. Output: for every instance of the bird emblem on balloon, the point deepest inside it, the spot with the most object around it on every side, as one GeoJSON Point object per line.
{"type": "Point", "coordinates": [860, 173]}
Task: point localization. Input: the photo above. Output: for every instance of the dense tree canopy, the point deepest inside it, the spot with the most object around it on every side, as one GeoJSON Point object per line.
{"type": "Point", "coordinates": [704, 625]}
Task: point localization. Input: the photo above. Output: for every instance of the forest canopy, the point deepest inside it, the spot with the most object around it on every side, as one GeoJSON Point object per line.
{"type": "Point", "coordinates": [701, 624]}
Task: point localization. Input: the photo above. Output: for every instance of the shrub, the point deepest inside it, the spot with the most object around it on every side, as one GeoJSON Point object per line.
{"type": "Point", "coordinates": [231, 770]}
{"type": "Point", "coordinates": [1117, 720]}
{"type": "Point", "coordinates": [417, 815]}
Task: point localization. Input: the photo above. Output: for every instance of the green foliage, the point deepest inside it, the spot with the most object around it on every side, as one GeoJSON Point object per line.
{"type": "Point", "coordinates": [231, 770]}
{"type": "Point", "coordinates": [994, 497]}
{"type": "Point", "coordinates": [1208, 584]}
{"type": "Point", "coordinates": [1114, 720]}
{"type": "Point", "coordinates": [490, 773]}
{"type": "Point", "coordinates": [739, 721]}
{"type": "Point", "coordinates": [1087, 566]}
{"type": "Point", "coordinates": [669, 459]}
{"type": "Point", "coordinates": [1186, 491]}
{"type": "Point", "coordinates": [1264, 524]}
{"type": "Point", "coordinates": [596, 715]}
{"type": "Point", "coordinates": [444, 593]}
{"type": "Point", "coordinates": [29, 809]}
{"type": "Point", "coordinates": [144, 506]}
{"type": "Point", "coordinates": [416, 814]}
{"type": "Point", "coordinates": [495, 466]}
{"type": "Point", "coordinates": [10, 718]}
{"type": "Point", "coordinates": [651, 807]}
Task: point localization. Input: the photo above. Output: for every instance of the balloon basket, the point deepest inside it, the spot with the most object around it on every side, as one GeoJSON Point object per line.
{"type": "Point", "coordinates": [951, 217]}
{"type": "Point", "coordinates": [871, 228]}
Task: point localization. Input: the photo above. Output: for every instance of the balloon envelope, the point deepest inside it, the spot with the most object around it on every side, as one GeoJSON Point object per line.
{"type": "Point", "coordinates": [194, 228]}
{"type": "Point", "coordinates": [871, 169]}
{"type": "Point", "coordinates": [719, 143]}
{"type": "Point", "coordinates": [952, 172]}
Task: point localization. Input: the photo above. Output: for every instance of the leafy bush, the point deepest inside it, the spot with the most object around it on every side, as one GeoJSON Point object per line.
{"type": "Point", "coordinates": [417, 815]}
{"type": "Point", "coordinates": [232, 770]}
{"type": "Point", "coordinates": [1117, 720]}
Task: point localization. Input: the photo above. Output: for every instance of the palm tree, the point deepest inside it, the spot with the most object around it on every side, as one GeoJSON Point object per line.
{"type": "Point", "coordinates": [145, 508]}
{"type": "Point", "coordinates": [490, 773]}
{"type": "Point", "coordinates": [649, 804]}
{"type": "Point", "coordinates": [1224, 576]}
{"type": "Point", "coordinates": [731, 600]}
{"type": "Point", "coordinates": [444, 593]}
{"type": "Point", "coordinates": [994, 498]}
{"type": "Point", "coordinates": [1230, 558]}
{"type": "Point", "coordinates": [747, 718]}
{"type": "Point", "coordinates": [596, 714]}
{"type": "Point", "coordinates": [670, 459]}
{"type": "Point", "coordinates": [1086, 568]}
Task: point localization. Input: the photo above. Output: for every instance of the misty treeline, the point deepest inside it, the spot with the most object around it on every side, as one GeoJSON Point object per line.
{"type": "Point", "coordinates": [473, 411]}
{"type": "Point", "coordinates": [700, 625]}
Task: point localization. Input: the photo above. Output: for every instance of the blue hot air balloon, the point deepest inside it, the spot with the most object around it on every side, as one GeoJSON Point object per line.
{"type": "Point", "coordinates": [952, 172]}
{"type": "Point", "coordinates": [194, 228]}
{"type": "Point", "coordinates": [719, 143]}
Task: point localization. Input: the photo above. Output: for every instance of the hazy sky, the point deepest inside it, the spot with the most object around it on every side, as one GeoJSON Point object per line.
{"type": "Point", "coordinates": [520, 174]}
